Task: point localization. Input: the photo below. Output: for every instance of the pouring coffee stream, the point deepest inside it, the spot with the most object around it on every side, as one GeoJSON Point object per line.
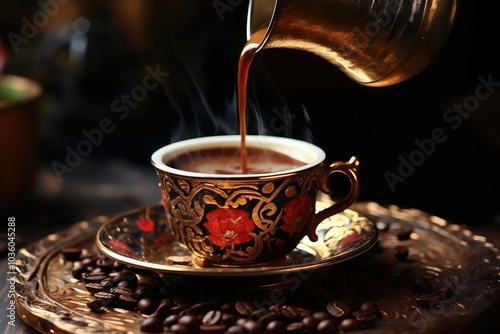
{"type": "Point", "coordinates": [246, 58]}
{"type": "Point", "coordinates": [374, 42]}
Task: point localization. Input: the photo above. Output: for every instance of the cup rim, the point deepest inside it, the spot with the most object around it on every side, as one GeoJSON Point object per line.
{"type": "Point", "coordinates": [301, 150]}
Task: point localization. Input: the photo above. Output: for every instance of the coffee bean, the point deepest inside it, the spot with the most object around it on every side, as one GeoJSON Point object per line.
{"type": "Point", "coordinates": [105, 264]}
{"type": "Point", "coordinates": [118, 266]}
{"type": "Point", "coordinates": [303, 310]}
{"type": "Point", "coordinates": [206, 306]}
{"type": "Point", "coordinates": [86, 253]}
{"type": "Point", "coordinates": [269, 317]}
{"type": "Point", "coordinates": [275, 308]}
{"type": "Point", "coordinates": [276, 327]}
{"type": "Point", "coordinates": [290, 312]}
{"type": "Point", "coordinates": [236, 329]}
{"type": "Point", "coordinates": [170, 320]}
{"type": "Point", "coordinates": [77, 271]}
{"type": "Point", "coordinates": [104, 297]}
{"type": "Point", "coordinates": [162, 311]}
{"type": "Point", "coordinates": [154, 279]}
{"type": "Point", "coordinates": [127, 284]}
{"type": "Point", "coordinates": [244, 308]}
{"type": "Point", "coordinates": [327, 326]}
{"type": "Point", "coordinates": [152, 325]}
{"type": "Point", "coordinates": [182, 300]}
{"type": "Point", "coordinates": [118, 291]}
{"type": "Point", "coordinates": [107, 283]}
{"type": "Point", "coordinates": [128, 302]}
{"type": "Point", "coordinates": [94, 287]}
{"type": "Point", "coordinates": [350, 324]}
{"type": "Point", "coordinates": [295, 327]}
{"type": "Point", "coordinates": [98, 270]}
{"type": "Point", "coordinates": [177, 309]}
{"type": "Point", "coordinates": [190, 321]}
{"type": "Point", "coordinates": [257, 314]}
{"type": "Point", "coordinates": [179, 329]}
{"type": "Point", "coordinates": [252, 326]}
{"type": "Point", "coordinates": [240, 321]}
{"type": "Point", "coordinates": [93, 278]}
{"type": "Point", "coordinates": [321, 315]}
{"type": "Point", "coordinates": [338, 309]}
{"type": "Point", "coordinates": [212, 329]}
{"type": "Point", "coordinates": [95, 306]}
{"type": "Point", "coordinates": [310, 323]}
{"type": "Point", "coordinates": [89, 262]}
{"type": "Point", "coordinates": [366, 318]}
{"type": "Point", "coordinates": [126, 275]}
{"type": "Point", "coordinates": [147, 305]}
{"type": "Point", "coordinates": [212, 317]}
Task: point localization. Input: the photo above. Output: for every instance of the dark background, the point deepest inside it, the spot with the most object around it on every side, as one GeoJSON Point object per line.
{"type": "Point", "coordinates": [459, 181]}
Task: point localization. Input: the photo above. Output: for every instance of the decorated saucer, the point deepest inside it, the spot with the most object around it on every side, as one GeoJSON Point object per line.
{"type": "Point", "coordinates": [141, 238]}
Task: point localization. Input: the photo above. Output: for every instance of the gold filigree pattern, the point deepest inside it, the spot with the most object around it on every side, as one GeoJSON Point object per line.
{"type": "Point", "coordinates": [190, 200]}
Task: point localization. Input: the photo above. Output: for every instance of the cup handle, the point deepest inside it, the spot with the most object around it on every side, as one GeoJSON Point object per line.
{"type": "Point", "coordinates": [350, 169]}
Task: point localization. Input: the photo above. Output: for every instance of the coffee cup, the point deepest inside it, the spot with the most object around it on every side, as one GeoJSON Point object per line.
{"type": "Point", "coordinates": [232, 219]}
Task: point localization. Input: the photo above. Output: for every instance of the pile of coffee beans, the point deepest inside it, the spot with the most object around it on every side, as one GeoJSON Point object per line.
{"type": "Point", "coordinates": [341, 298]}
{"type": "Point", "coordinates": [313, 305]}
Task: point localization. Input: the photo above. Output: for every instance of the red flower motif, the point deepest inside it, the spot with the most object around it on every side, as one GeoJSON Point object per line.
{"type": "Point", "coordinates": [146, 225]}
{"type": "Point", "coordinates": [120, 246]}
{"type": "Point", "coordinates": [350, 239]}
{"type": "Point", "coordinates": [229, 227]}
{"type": "Point", "coordinates": [296, 213]}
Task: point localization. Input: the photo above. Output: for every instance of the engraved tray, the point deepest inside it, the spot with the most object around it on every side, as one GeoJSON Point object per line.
{"type": "Point", "coordinates": [49, 299]}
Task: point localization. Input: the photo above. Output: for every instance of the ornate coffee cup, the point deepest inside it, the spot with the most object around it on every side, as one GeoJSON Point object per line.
{"type": "Point", "coordinates": [226, 218]}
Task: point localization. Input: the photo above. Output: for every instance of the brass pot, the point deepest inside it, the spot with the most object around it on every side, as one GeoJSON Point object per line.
{"type": "Point", "coordinates": [375, 43]}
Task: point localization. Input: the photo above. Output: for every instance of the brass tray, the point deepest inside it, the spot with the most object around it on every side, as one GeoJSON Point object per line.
{"type": "Point", "coordinates": [50, 300]}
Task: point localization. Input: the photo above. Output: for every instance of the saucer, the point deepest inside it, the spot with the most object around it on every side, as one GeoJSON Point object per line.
{"type": "Point", "coordinates": [141, 239]}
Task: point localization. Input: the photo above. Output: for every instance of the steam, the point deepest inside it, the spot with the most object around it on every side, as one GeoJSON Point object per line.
{"type": "Point", "coordinates": [281, 120]}
{"type": "Point", "coordinates": [196, 116]}
{"type": "Point", "coordinates": [192, 117]}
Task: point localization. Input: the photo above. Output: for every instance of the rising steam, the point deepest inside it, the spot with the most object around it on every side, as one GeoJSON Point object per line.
{"type": "Point", "coordinates": [196, 117]}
